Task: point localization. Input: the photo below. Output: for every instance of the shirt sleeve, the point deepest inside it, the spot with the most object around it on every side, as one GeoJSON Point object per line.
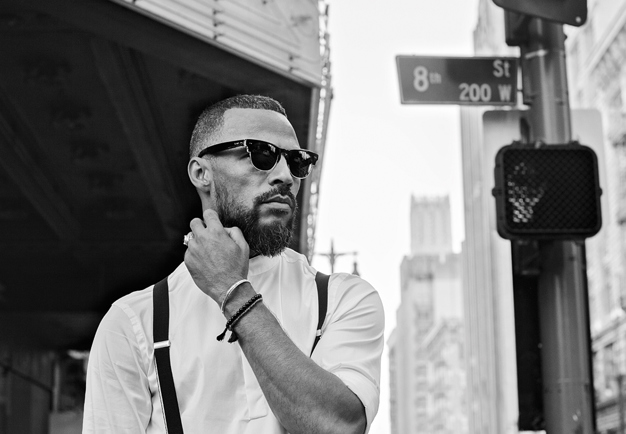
{"type": "Point", "coordinates": [118, 398]}
{"type": "Point", "coordinates": [352, 340]}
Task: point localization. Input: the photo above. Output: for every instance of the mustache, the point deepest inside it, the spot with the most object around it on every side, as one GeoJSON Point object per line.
{"type": "Point", "coordinates": [281, 190]}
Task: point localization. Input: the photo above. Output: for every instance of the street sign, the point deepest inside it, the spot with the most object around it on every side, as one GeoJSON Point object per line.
{"type": "Point", "coordinates": [458, 80]}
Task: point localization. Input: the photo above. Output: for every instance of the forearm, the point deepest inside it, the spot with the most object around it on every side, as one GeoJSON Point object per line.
{"type": "Point", "coordinates": [303, 396]}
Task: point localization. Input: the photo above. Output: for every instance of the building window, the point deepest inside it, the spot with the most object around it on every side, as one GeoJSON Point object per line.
{"type": "Point", "coordinates": [420, 403]}
{"type": "Point", "coordinates": [609, 370]}
{"type": "Point", "coordinates": [620, 153]}
{"type": "Point", "coordinates": [615, 112]}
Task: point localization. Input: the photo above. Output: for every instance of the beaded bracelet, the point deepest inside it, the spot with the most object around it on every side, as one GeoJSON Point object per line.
{"type": "Point", "coordinates": [248, 305]}
{"type": "Point", "coordinates": [230, 290]}
{"type": "Point", "coordinates": [233, 335]}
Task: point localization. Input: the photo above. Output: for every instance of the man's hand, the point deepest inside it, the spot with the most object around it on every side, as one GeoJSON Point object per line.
{"type": "Point", "coordinates": [216, 256]}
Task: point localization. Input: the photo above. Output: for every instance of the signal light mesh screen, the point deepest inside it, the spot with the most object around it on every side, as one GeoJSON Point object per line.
{"type": "Point", "coordinates": [550, 190]}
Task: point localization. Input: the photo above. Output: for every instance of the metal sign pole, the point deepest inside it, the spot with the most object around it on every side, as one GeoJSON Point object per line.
{"type": "Point", "coordinates": [563, 300]}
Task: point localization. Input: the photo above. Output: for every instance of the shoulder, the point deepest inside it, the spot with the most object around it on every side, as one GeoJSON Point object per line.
{"type": "Point", "coordinates": [350, 295]}
{"type": "Point", "coordinates": [139, 303]}
{"type": "Point", "coordinates": [344, 285]}
{"type": "Point", "coordinates": [126, 322]}
{"type": "Point", "coordinates": [343, 288]}
{"type": "Point", "coordinates": [350, 283]}
{"type": "Point", "coordinates": [131, 315]}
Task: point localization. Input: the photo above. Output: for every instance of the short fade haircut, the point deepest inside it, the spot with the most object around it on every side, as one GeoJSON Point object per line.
{"type": "Point", "coordinates": [212, 118]}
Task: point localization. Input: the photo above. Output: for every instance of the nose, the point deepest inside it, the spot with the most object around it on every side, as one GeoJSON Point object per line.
{"type": "Point", "coordinates": [280, 174]}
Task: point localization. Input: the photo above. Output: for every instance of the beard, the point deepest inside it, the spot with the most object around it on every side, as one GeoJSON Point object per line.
{"type": "Point", "coordinates": [267, 239]}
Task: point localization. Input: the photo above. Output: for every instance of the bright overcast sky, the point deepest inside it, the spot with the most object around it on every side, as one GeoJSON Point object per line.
{"type": "Point", "coordinates": [379, 152]}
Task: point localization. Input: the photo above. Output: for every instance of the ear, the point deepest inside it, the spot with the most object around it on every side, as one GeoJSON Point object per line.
{"type": "Point", "coordinates": [200, 174]}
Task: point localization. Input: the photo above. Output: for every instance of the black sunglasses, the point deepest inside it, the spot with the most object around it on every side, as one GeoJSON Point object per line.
{"type": "Point", "coordinates": [265, 156]}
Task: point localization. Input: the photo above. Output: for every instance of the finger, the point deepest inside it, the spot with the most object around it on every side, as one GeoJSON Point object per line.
{"type": "Point", "coordinates": [237, 236]}
{"type": "Point", "coordinates": [211, 217]}
{"type": "Point", "coordinates": [239, 240]}
{"type": "Point", "coordinates": [196, 225]}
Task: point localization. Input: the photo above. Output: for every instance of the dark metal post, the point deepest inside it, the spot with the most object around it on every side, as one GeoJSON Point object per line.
{"type": "Point", "coordinates": [620, 401]}
{"type": "Point", "coordinates": [332, 257]}
{"type": "Point", "coordinates": [563, 303]}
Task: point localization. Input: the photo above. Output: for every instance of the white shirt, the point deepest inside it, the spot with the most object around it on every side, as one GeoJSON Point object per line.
{"type": "Point", "coordinates": [216, 388]}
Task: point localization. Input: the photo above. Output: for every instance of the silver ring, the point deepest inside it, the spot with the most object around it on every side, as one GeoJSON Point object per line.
{"type": "Point", "coordinates": [187, 238]}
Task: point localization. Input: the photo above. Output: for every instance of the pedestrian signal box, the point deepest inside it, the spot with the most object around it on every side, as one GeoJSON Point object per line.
{"type": "Point", "coordinates": [573, 12]}
{"type": "Point", "coordinates": [548, 192]}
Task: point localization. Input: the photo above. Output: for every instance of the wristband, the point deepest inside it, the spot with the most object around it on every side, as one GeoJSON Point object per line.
{"type": "Point", "coordinates": [248, 305]}
{"type": "Point", "coordinates": [230, 290]}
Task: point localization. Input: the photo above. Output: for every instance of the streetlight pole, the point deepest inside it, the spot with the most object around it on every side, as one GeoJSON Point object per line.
{"type": "Point", "coordinates": [332, 257]}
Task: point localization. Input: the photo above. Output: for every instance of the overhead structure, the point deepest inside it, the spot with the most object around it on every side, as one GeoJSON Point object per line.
{"type": "Point", "coordinates": [97, 102]}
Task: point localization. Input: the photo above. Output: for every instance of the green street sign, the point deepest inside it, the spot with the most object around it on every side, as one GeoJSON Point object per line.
{"type": "Point", "coordinates": [488, 81]}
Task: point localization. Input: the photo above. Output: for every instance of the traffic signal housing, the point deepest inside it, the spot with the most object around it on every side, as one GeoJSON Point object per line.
{"type": "Point", "coordinates": [573, 12]}
{"type": "Point", "coordinates": [547, 192]}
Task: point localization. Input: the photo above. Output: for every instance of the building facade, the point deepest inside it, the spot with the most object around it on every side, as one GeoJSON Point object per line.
{"type": "Point", "coordinates": [426, 350]}
{"type": "Point", "coordinates": [487, 282]}
{"type": "Point", "coordinates": [596, 55]}
{"type": "Point", "coordinates": [444, 349]}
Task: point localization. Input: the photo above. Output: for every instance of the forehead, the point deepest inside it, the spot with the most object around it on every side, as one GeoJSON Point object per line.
{"type": "Point", "coordinates": [258, 124]}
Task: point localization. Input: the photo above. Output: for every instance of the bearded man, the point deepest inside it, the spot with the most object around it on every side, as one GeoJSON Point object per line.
{"type": "Point", "coordinates": [270, 375]}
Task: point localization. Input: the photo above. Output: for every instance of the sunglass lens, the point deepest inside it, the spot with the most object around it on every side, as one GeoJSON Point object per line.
{"type": "Point", "coordinates": [299, 163]}
{"type": "Point", "coordinates": [263, 155]}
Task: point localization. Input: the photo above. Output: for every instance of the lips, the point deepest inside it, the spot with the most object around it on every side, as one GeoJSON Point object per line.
{"type": "Point", "coordinates": [281, 199]}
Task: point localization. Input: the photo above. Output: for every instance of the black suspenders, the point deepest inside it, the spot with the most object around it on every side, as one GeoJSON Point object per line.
{"type": "Point", "coordinates": [160, 328]}
{"type": "Point", "coordinates": [321, 280]}
{"type": "Point", "coordinates": [161, 319]}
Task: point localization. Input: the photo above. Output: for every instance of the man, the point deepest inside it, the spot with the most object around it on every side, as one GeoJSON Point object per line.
{"type": "Point", "coordinates": [247, 167]}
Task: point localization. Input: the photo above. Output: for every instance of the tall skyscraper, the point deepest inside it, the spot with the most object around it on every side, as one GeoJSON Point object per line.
{"type": "Point", "coordinates": [427, 369]}
{"type": "Point", "coordinates": [487, 275]}
{"type": "Point", "coordinates": [431, 228]}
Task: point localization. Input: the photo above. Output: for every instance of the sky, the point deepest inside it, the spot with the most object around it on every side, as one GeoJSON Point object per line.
{"type": "Point", "coordinates": [380, 152]}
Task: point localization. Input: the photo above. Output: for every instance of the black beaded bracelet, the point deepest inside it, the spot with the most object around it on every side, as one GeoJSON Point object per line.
{"type": "Point", "coordinates": [237, 316]}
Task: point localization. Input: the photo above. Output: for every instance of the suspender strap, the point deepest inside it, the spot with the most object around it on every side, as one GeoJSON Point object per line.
{"type": "Point", "coordinates": [321, 280]}
{"type": "Point", "coordinates": [161, 320]}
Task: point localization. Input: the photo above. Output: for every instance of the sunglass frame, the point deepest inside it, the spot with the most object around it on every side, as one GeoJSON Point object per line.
{"type": "Point", "coordinates": [219, 147]}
